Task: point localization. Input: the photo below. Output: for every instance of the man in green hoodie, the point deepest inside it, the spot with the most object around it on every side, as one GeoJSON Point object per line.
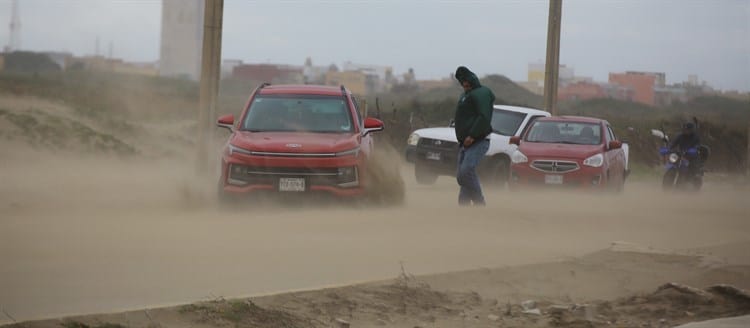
{"type": "Point", "coordinates": [472, 119]}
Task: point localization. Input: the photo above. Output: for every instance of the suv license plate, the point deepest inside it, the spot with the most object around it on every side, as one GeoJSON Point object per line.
{"type": "Point", "coordinates": [433, 156]}
{"type": "Point", "coordinates": [291, 184]}
{"type": "Point", "coordinates": [553, 179]}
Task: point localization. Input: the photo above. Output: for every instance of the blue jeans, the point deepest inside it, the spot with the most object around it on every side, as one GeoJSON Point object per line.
{"type": "Point", "coordinates": [466, 175]}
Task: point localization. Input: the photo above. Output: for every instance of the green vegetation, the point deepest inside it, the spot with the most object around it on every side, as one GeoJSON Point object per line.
{"type": "Point", "coordinates": [76, 324]}
{"type": "Point", "coordinates": [242, 313]}
{"type": "Point", "coordinates": [29, 62]}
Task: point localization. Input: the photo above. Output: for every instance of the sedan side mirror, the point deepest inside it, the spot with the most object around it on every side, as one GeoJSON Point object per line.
{"type": "Point", "coordinates": [515, 141]}
{"type": "Point", "coordinates": [615, 144]}
{"type": "Point", "coordinates": [372, 125]}
{"type": "Point", "coordinates": [226, 121]}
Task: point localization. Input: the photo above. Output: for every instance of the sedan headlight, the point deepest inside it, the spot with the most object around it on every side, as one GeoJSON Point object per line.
{"type": "Point", "coordinates": [673, 158]}
{"type": "Point", "coordinates": [413, 139]}
{"type": "Point", "coordinates": [518, 157]}
{"type": "Point", "coordinates": [594, 161]}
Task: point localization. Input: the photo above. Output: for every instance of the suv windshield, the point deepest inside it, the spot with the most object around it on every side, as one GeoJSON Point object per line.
{"type": "Point", "coordinates": [506, 122]}
{"type": "Point", "coordinates": [303, 113]}
{"type": "Point", "coordinates": [565, 132]}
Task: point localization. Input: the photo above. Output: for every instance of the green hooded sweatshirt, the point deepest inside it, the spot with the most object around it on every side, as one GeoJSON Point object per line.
{"type": "Point", "coordinates": [474, 111]}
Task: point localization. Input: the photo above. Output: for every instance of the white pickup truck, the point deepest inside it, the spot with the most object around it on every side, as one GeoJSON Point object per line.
{"type": "Point", "coordinates": [434, 150]}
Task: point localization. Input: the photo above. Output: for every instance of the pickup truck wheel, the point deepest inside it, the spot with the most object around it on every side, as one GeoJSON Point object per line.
{"type": "Point", "coordinates": [498, 172]}
{"type": "Point", "coordinates": [423, 173]}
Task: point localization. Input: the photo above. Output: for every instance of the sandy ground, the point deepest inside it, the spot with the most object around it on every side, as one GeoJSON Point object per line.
{"type": "Point", "coordinates": [84, 234]}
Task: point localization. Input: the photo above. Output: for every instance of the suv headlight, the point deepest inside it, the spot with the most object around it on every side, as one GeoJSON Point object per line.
{"type": "Point", "coordinates": [413, 139]}
{"type": "Point", "coordinates": [234, 149]}
{"type": "Point", "coordinates": [518, 157]}
{"type": "Point", "coordinates": [349, 152]}
{"type": "Point", "coordinates": [594, 161]}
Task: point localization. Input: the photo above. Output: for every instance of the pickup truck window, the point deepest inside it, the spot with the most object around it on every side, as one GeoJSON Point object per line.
{"type": "Point", "coordinates": [506, 122]}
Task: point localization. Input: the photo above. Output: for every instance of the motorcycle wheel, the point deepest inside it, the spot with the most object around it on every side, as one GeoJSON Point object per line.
{"type": "Point", "coordinates": [669, 180]}
{"type": "Point", "coordinates": [697, 183]}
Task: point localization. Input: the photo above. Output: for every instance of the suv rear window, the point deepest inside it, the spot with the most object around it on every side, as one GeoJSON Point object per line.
{"type": "Point", "coordinates": [302, 113]}
{"type": "Point", "coordinates": [506, 122]}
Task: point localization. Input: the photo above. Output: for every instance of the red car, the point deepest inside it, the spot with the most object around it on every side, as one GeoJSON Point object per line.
{"type": "Point", "coordinates": [569, 151]}
{"type": "Point", "coordinates": [297, 139]}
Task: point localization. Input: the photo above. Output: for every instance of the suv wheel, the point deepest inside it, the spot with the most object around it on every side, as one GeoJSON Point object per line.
{"type": "Point", "coordinates": [497, 172]}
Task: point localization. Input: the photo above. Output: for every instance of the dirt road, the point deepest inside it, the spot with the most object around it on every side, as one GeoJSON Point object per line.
{"type": "Point", "coordinates": [89, 235]}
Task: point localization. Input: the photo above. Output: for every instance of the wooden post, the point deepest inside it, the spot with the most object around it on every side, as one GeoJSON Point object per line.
{"type": "Point", "coordinates": [552, 64]}
{"type": "Point", "coordinates": [209, 89]}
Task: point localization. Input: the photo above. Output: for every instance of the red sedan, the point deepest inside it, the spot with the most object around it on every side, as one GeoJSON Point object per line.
{"type": "Point", "coordinates": [569, 151]}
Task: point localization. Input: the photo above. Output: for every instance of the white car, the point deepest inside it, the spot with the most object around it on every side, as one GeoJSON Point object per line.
{"type": "Point", "coordinates": [434, 150]}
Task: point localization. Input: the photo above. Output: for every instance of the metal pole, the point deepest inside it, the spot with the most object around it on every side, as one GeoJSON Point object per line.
{"type": "Point", "coordinates": [552, 64]}
{"type": "Point", "coordinates": [210, 70]}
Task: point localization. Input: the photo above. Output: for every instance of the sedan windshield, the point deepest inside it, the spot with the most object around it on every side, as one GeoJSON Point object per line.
{"type": "Point", "coordinates": [565, 132]}
{"type": "Point", "coordinates": [303, 113]}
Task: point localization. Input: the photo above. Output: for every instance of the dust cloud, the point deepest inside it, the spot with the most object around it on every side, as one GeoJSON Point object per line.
{"type": "Point", "coordinates": [86, 232]}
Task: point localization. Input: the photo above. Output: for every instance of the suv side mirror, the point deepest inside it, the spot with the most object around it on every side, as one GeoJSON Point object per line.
{"type": "Point", "coordinates": [372, 125]}
{"type": "Point", "coordinates": [615, 144]}
{"type": "Point", "coordinates": [226, 121]}
{"type": "Point", "coordinates": [515, 141]}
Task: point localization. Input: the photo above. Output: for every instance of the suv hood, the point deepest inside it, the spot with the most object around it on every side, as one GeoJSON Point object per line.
{"type": "Point", "coordinates": [558, 150]}
{"type": "Point", "coordinates": [295, 142]}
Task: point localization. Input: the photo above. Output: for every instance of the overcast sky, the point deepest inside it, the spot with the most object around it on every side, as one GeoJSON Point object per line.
{"type": "Point", "coordinates": [710, 38]}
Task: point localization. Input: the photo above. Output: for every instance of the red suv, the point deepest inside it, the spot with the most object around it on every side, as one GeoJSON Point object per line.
{"type": "Point", "coordinates": [297, 139]}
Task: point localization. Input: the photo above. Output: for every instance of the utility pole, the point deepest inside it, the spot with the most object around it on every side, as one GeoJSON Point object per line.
{"type": "Point", "coordinates": [552, 64]}
{"type": "Point", "coordinates": [14, 43]}
{"type": "Point", "coordinates": [210, 70]}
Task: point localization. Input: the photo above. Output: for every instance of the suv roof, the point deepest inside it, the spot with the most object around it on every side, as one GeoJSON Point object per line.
{"type": "Point", "coordinates": [305, 89]}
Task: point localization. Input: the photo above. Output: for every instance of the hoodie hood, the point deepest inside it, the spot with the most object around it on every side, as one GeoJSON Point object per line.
{"type": "Point", "coordinates": [464, 74]}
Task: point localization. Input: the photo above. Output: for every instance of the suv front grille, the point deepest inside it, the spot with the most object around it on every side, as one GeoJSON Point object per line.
{"type": "Point", "coordinates": [554, 166]}
{"type": "Point", "coordinates": [269, 175]}
{"type": "Point", "coordinates": [437, 144]}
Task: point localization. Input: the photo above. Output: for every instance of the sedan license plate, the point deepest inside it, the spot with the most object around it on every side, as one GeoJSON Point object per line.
{"type": "Point", "coordinates": [553, 179]}
{"type": "Point", "coordinates": [291, 184]}
{"type": "Point", "coordinates": [433, 156]}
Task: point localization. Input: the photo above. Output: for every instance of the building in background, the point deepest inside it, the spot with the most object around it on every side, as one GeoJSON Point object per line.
{"type": "Point", "coordinates": [643, 84]}
{"type": "Point", "coordinates": [227, 67]}
{"type": "Point", "coordinates": [357, 82]}
{"type": "Point", "coordinates": [271, 73]}
{"type": "Point", "coordinates": [535, 77]}
{"type": "Point", "coordinates": [181, 38]}
{"type": "Point", "coordinates": [586, 89]}
{"type": "Point", "coordinates": [377, 78]}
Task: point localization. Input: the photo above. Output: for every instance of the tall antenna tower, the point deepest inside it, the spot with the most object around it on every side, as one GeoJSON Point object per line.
{"type": "Point", "coordinates": [15, 29]}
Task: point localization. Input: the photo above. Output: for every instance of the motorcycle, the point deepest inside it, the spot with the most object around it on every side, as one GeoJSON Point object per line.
{"type": "Point", "coordinates": [684, 168]}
